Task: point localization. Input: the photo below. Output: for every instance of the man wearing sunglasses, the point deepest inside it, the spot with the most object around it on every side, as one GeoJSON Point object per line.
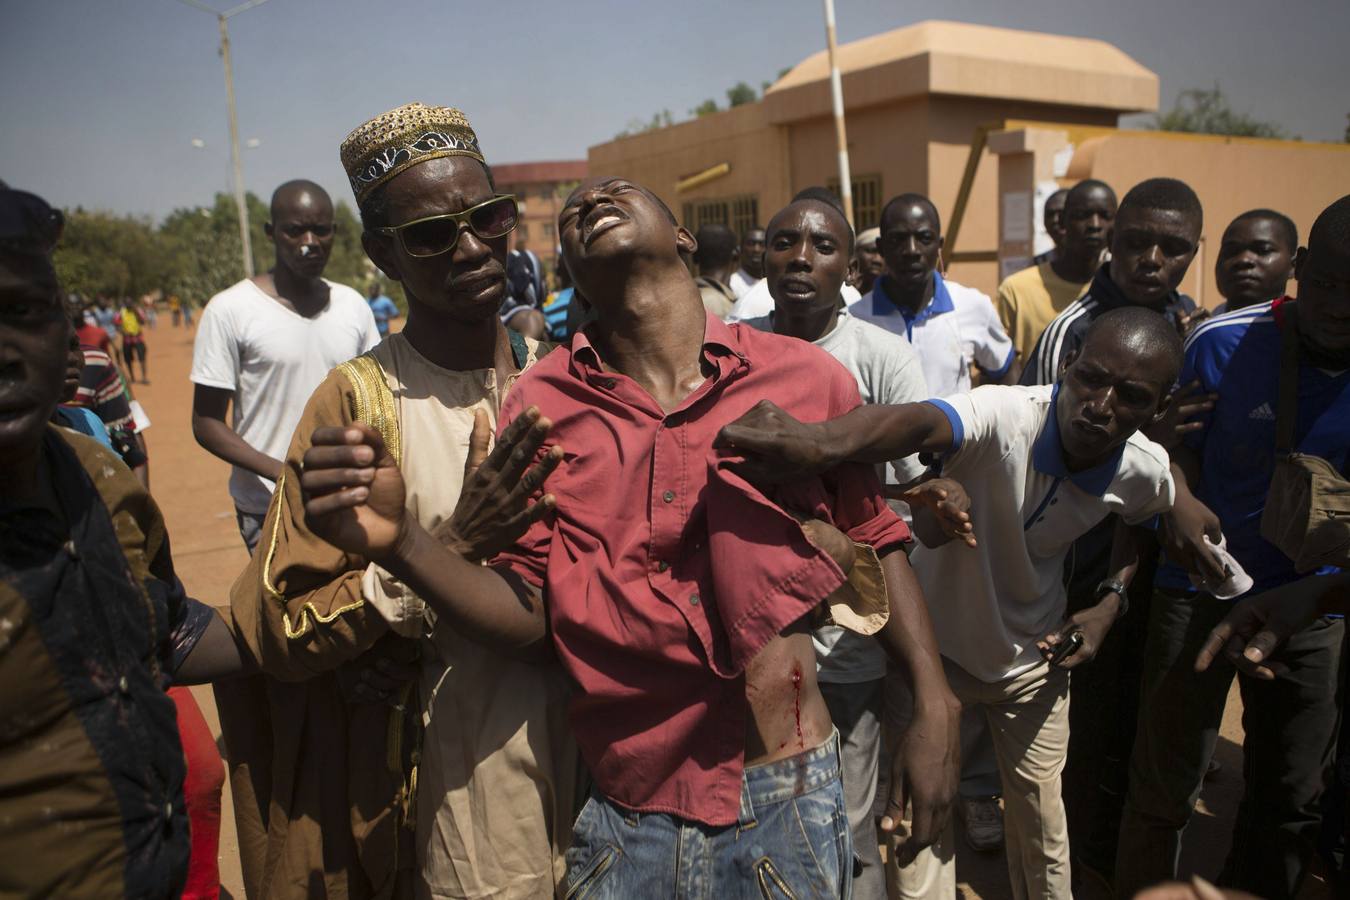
{"type": "Point", "coordinates": [466, 787]}
{"type": "Point", "coordinates": [266, 343]}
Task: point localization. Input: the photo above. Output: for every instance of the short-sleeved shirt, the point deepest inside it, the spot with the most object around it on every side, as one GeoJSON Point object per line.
{"type": "Point", "coordinates": [91, 335]}
{"type": "Point", "coordinates": [1030, 299]}
{"type": "Point", "coordinates": [991, 603]}
{"type": "Point", "coordinates": [957, 328]}
{"type": "Point", "coordinates": [888, 372]}
{"type": "Point", "coordinates": [272, 358]}
{"type": "Point", "coordinates": [1065, 333]}
{"type": "Point", "coordinates": [383, 309]}
{"type": "Point", "coordinates": [130, 322]}
{"type": "Point", "coordinates": [741, 283]}
{"type": "Point", "coordinates": [663, 573]}
{"type": "Point", "coordinates": [1237, 356]}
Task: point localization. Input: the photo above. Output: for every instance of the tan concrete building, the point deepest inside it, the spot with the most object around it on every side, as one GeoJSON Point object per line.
{"type": "Point", "coordinates": [540, 189]}
{"type": "Point", "coordinates": [938, 108]}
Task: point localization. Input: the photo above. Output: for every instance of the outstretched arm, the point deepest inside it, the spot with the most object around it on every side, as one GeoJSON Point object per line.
{"type": "Point", "coordinates": [1257, 626]}
{"type": "Point", "coordinates": [926, 768]}
{"type": "Point", "coordinates": [779, 448]}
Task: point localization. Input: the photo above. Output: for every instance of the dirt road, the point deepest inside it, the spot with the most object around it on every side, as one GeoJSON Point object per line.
{"type": "Point", "coordinates": [190, 486]}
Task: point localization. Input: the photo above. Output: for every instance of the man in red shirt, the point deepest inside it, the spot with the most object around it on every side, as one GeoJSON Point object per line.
{"type": "Point", "coordinates": [677, 596]}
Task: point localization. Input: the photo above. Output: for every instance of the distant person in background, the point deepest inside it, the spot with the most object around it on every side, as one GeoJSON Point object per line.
{"type": "Point", "coordinates": [1052, 217]}
{"type": "Point", "coordinates": [101, 391]}
{"type": "Point", "coordinates": [1030, 299]}
{"type": "Point", "coordinates": [871, 264]}
{"type": "Point", "coordinates": [187, 313]}
{"type": "Point", "coordinates": [1256, 259]}
{"type": "Point", "coordinates": [87, 329]}
{"type": "Point", "coordinates": [527, 320]}
{"type": "Point", "coordinates": [106, 318]}
{"type": "Point", "coordinates": [266, 343]}
{"type": "Point", "coordinates": [525, 275]}
{"type": "Point", "coordinates": [751, 271]}
{"type": "Point", "coordinates": [133, 341]}
{"type": "Point", "coordinates": [175, 310]}
{"type": "Point", "coordinates": [952, 327]}
{"type": "Point", "coordinates": [716, 258]}
{"type": "Point", "coordinates": [382, 308]}
{"type": "Point", "coordinates": [562, 311]}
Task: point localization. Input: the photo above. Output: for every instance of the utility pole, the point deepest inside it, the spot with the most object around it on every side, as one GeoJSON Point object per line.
{"type": "Point", "coordinates": [840, 133]}
{"type": "Point", "coordinates": [235, 157]}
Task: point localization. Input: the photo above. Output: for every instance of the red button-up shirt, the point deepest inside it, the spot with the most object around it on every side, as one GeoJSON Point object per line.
{"type": "Point", "coordinates": [662, 574]}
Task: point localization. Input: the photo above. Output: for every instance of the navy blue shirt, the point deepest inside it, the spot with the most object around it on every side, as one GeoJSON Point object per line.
{"type": "Point", "coordinates": [1237, 356]}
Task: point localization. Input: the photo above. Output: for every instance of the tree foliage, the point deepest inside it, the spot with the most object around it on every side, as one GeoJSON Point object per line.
{"type": "Point", "coordinates": [1207, 112]}
{"type": "Point", "coordinates": [741, 93]}
{"type": "Point", "coordinates": [194, 252]}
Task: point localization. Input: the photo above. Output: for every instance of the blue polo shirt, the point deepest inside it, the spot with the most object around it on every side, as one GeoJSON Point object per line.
{"type": "Point", "coordinates": [1237, 356]}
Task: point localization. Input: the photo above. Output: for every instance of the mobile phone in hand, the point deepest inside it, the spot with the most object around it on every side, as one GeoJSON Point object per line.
{"type": "Point", "coordinates": [1066, 648]}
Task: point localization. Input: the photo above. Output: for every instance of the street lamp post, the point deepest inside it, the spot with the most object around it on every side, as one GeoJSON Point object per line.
{"type": "Point", "coordinates": [235, 158]}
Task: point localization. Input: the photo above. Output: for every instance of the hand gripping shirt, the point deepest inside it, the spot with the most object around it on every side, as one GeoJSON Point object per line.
{"type": "Point", "coordinates": [663, 573]}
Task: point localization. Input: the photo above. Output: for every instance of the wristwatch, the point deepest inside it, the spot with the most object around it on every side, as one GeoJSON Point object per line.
{"type": "Point", "coordinates": [1115, 586]}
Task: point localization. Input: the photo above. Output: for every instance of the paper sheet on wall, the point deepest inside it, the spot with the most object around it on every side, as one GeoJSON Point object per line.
{"type": "Point", "coordinates": [1017, 216]}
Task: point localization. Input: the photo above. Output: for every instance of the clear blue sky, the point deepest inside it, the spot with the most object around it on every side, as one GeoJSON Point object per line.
{"type": "Point", "coordinates": [102, 98]}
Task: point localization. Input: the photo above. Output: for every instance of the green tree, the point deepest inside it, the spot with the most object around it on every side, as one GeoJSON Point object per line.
{"type": "Point", "coordinates": [101, 253]}
{"type": "Point", "coordinates": [706, 108]}
{"type": "Point", "coordinates": [740, 94]}
{"type": "Point", "coordinates": [1207, 112]}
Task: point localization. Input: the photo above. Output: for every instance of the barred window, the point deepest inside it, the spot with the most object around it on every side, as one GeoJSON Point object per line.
{"type": "Point", "coordinates": [740, 214]}
{"type": "Point", "coordinates": [866, 199]}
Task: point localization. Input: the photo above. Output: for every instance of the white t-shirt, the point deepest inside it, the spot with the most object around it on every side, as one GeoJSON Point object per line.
{"type": "Point", "coordinates": [741, 283]}
{"type": "Point", "coordinates": [758, 302]}
{"type": "Point", "coordinates": [958, 327]}
{"type": "Point", "coordinates": [888, 372]}
{"type": "Point", "coordinates": [991, 603]}
{"type": "Point", "coordinates": [272, 359]}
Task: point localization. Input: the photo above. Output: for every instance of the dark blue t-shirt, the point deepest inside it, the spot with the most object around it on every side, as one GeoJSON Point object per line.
{"type": "Point", "coordinates": [1237, 356]}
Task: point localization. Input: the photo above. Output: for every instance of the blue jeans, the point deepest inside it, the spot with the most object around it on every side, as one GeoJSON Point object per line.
{"type": "Point", "coordinates": [791, 840]}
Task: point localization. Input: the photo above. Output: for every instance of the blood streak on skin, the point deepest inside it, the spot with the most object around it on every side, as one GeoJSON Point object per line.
{"type": "Point", "coordinates": [797, 703]}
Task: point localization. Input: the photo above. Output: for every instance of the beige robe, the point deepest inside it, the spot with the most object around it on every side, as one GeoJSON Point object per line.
{"type": "Point", "coordinates": [499, 772]}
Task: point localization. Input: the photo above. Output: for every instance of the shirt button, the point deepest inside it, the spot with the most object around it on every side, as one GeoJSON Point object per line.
{"type": "Point", "coordinates": [668, 496]}
{"type": "Point", "coordinates": [123, 685]}
{"type": "Point", "coordinates": [168, 811]}
{"type": "Point", "coordinates": [69, 547]}
{"type": "Point", "coordinates": [693, 599]}
{"type": "Point", "coordinates": [662, 566]}
{"type": "Point", "coordinates": [608, 384]}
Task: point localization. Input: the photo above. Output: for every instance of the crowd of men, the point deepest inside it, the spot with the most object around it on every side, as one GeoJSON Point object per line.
{"type": "Point", "coordinates": [738, 566]}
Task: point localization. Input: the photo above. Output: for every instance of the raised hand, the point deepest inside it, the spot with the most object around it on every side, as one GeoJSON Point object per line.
{"type": "Point", "coordinates": [776, 446]}
{"type": "Point", "coordinates": [1178, 419]}
{"type": "Point", "coordinates": [496, 505]}
{"type": "Point", "coordinates": [353, 490]}
{"type": "Point", "coordinates": [949, 506]}
{"type": "Point", "coordinates": [1183, 537]}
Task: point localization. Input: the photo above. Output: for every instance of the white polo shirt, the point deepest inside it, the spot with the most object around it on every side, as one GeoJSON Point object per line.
{"type": "Point", "coordinates": [958, 327]}
{"type": "Point", "coordinates": [990, 604]}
